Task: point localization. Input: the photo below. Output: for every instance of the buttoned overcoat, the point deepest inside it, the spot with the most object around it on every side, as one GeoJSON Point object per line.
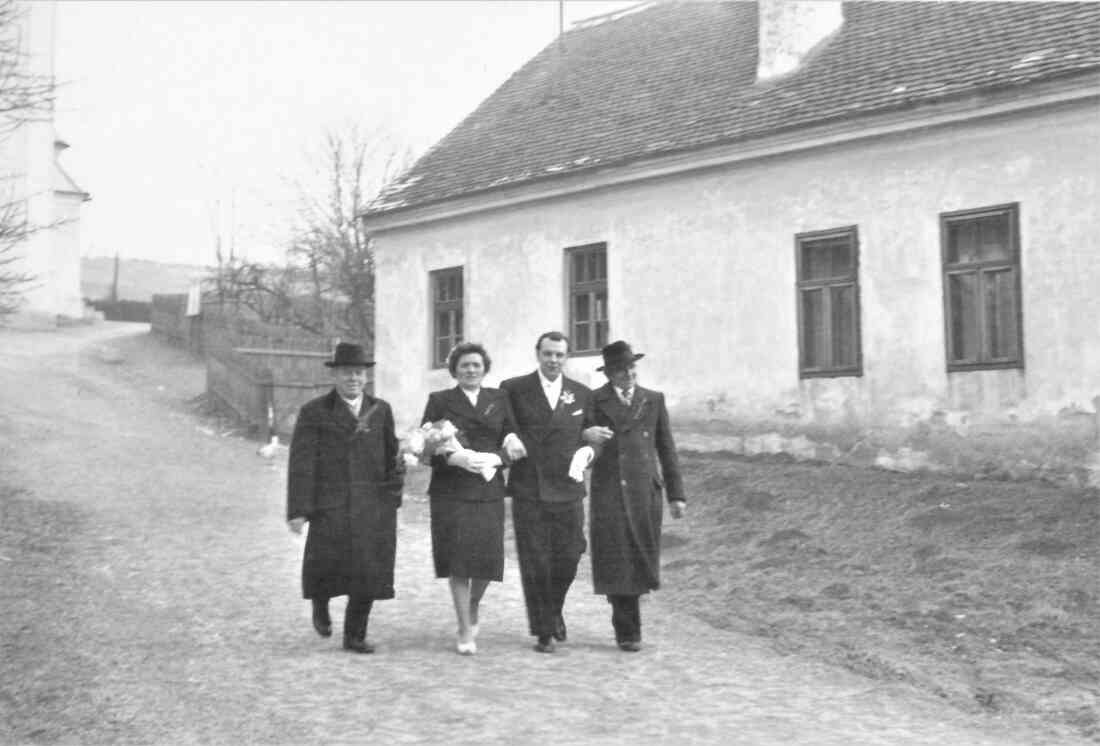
{"type": "Point", "coordinates": [345, 478]}
{"type": "Point", "coordinates": [629, 475]}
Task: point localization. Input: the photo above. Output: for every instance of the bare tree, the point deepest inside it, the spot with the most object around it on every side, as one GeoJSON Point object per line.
{"type": "Point", "coordinates": [24, 97]}
{"type": "Point", "coordinates": [327, 285]}
{"type": "Point", "coordinates": [14, 231]}
{"type": "Point", "coordinates": [329, 242]}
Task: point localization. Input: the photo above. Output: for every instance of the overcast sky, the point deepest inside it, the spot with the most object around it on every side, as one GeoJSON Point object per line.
{"type": "Point", "coordinates": [177, 110]}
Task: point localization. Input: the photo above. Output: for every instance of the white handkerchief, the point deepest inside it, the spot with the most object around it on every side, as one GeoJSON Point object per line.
{"type": "Point", "coordinates": [581, 459]}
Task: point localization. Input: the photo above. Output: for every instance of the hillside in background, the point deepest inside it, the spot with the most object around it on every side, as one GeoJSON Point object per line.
{"type": "Point", "coordinates": [138, 279]}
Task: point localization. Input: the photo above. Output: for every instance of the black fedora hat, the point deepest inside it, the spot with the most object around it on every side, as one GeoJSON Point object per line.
{"type": "Point", "coordinates": [619, 355]}
{"type": "Point", "coordinates": [347, 354]}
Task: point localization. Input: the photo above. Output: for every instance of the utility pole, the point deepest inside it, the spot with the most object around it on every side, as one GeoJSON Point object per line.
{"type": "Point", "coordinates": [114, 283]}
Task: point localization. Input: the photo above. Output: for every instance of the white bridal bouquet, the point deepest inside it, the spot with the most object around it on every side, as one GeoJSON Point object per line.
{"type": "Point", "coordinates": [442, 438]}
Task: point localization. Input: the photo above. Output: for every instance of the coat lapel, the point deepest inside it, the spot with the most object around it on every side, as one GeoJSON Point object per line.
{"type": "Point", "coordinates": [623, 417]}
{"type": "Point", "coordinates": [566, 402]}
{"type": "Point", "coordinates": [536, 395]}
{"type": "Point", "coordinates": [638, 403]}
{"type": "Point", "coordinates": [340, 412]}
{"type": "Point", "coordinates": [461, 404]}
{"type": "Point", "coordinates": [486, 405]}
{"type": "Point", "coordinates": [366, 412]}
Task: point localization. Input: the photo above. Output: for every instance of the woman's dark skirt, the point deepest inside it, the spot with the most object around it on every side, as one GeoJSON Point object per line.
{"type": "Point", "coordinates": [468, 538]}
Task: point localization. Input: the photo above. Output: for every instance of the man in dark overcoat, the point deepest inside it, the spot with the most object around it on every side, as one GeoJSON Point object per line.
{"type": "Point", "coordinates": [345, 480]}
{"type": "Point", "coordinates": [635, 463]}
{"type": "Point", "coordinates": [547, 506]}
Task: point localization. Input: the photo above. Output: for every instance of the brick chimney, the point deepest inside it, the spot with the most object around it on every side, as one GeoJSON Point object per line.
{"type": "Point", "coordinates": [789, 29]}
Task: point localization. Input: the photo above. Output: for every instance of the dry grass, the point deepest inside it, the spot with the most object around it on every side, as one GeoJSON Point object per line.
{"type": "Point", "coordinates": [983, 592]}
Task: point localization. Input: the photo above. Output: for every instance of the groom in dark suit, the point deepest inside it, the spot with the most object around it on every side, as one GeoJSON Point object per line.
{"type": "Point", "coordinates": [547, 505]}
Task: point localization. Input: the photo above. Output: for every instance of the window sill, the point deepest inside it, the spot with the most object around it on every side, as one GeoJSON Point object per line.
{"type": "Point", "coordinates": [968, 367]}
{"type": "Point", "coordinates": [832, 373]}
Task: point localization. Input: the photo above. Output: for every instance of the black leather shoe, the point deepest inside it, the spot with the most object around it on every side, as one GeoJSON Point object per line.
{"type": "Point", "coordinates": [321, 620]}
{"type": "Point", "coordinates": [630, 646]}
{"type": "Point", "coordinates": [559, 630]}
{"type": "Point", "coordinates": [357, 646]}
{"type": "Point", "coordinates": [545, 645]}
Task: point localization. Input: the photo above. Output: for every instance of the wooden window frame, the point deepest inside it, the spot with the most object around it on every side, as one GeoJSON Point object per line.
{"type": "Point", "coordinates": [981, 269]}
{"type": "Point", "coordinates": [802, 285]}
{"type": "Point", "coordinates": [451, 305]}
{"type": "Point", "coordinates": [590, 288]}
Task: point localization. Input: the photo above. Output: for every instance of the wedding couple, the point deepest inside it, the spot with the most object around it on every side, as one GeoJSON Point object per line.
{"type": "Point", "coordinates": [545, 429]}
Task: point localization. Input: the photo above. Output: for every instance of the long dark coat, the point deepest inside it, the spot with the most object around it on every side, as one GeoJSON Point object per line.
{"type": "Point", "coordinates": [551, 437]}
{"type": "Point", "coordinates": [625, 494]}
{"type": "Point", "coordinates": [344, 477]}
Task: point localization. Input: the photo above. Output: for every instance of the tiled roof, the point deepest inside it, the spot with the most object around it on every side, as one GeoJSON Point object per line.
{"type": "Point", "coordinates": [678, 76]}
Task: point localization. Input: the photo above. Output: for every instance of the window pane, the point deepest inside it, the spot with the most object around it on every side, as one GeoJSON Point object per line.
{"type": "Point", "coordinates": [581, 312]}
{"type": "Point", "coordinates": [582, 337]}
{"type": "Point", "coordinates": [601, 334]}
{"type": "Point", "coordinates": [844, 325]}
{"type": "Point", "coordinates": [601, 306]}
{"type": "Point", "coordinates": [456, 317]}
{"type": "Point", "coordinates": [578, 267]}
{"type": "Point", "coordinates": [962, 241]}
{"type": "Point", "coordinates": [826, 257]}
{"type": "Point", "coordinates": [978, 239]}
{"type": "Point", "coordinates": [593, 265]}
{"type": "Point", "coordinates": [601, 264]}
{"type": "Point", "coordinates": [962, 290]}
{"type": "Point", "coordinates": [993, 237]}
{"type": "Point", "coordinates": [442, 347]}
{"type": "Point", "coordinates": [813, 328]}
{"type": "Point", "coordinates": [1000, 314]}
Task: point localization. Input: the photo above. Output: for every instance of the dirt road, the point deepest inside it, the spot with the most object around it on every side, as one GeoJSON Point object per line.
{"type": "Point", "coordinates": [150, 594]}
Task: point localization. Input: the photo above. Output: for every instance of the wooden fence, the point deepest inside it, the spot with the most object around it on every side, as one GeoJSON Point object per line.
{"type": "Point", "coordinates": [260, 372]}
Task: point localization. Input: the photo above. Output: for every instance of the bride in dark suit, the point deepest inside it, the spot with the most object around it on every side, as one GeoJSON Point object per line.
{"type": "Point", "coordinates": [467, 510]}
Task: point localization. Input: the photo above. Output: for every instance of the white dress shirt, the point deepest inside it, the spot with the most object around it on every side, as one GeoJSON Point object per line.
{"type": "Point", "coordinates": [471, 395]}
{"type": "Point", "coordinates": [354, 404]}
{"type": "Point", "coordinates": [552, 389]}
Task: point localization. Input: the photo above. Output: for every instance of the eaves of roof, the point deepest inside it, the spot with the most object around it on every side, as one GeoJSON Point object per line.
{"type": "Point", "coordinates": [1080, 90]}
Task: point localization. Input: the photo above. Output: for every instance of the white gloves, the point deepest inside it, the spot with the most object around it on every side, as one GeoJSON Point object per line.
{"type": "Point", "coordinates": [513, 446]}
{"type": "Point", "coordinates": [581, 459]}
{"type": "Point", "coordinates": [485, 464]}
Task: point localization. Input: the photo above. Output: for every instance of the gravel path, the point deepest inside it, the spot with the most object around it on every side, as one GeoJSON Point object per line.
{"type": "Point", "coordinates": [150, 595]}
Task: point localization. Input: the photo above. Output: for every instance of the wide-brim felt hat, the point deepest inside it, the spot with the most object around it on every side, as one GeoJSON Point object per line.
{"type": "Point", "coordinates": [349, 355]}
{"type": "Point", "coordinates": [619, 355]}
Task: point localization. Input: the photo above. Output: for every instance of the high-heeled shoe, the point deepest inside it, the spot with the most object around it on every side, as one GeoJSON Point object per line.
{"type": "Point", "coordinates": [466, 648]}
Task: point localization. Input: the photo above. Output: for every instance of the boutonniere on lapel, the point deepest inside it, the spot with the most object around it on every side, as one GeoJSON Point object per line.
{"type": "Point", "coordinates": [363, 423]}
{"type": "Point", "coordinates": [639, 405]}
{"type": "Point", "coordinates": [567, 398]}
{"type": "Point", "coordinates": [489, 409]}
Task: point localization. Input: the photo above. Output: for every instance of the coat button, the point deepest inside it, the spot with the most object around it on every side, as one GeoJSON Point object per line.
{"type": "Point", "coordinates": [622, 482]}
